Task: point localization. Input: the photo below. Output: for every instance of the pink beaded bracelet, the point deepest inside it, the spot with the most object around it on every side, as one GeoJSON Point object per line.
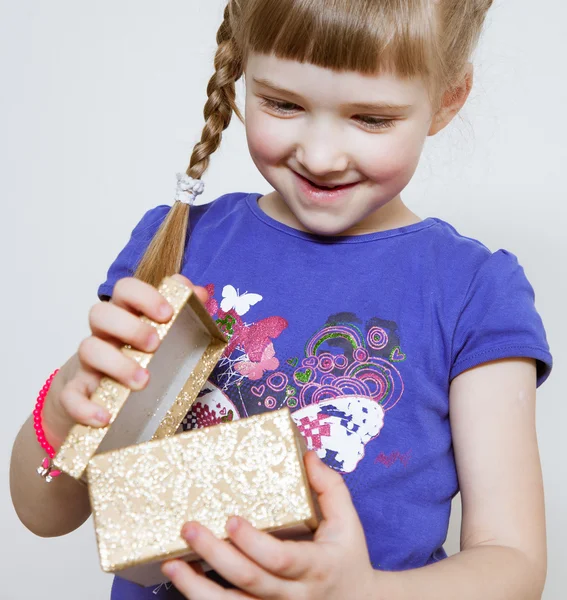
{"type": "Point", "coordinates": [46, 469]}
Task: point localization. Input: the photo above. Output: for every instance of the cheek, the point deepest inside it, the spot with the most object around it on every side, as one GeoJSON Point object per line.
{"type": "Point", "coordinates": [268, 141]}
{"type": "Point", "coordinates": [394, 158]}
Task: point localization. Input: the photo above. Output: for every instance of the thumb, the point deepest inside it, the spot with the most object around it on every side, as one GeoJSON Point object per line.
{"type": "Point", "coordinates": [201, 292]}
{"type": "Point", "coordinates": [333, 495]}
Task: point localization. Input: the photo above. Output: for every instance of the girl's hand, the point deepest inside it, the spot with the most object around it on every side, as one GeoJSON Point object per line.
{"type": "Point", "coordinates": [113, 324]}
{"type": "Point", "coordinates": [334, 566]}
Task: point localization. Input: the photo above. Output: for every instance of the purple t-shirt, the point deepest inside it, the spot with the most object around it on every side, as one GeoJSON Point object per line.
{"type": "Point", "coordinates": [360, 337]}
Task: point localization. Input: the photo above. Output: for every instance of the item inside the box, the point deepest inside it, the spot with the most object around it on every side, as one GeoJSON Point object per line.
{"type": "Point", "coordinates": [142, 495]}
{"type": "Point", "coordinates": [191, 345]}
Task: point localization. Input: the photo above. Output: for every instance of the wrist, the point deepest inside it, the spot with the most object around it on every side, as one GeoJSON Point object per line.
{"type": "Point", "coordinates": [387, 586]}
{"type": "Point", "coordinates": [46, 469]}
{"type": "Point", "coordinates": [55, 421]}
{"type": "Point", "coordinates": [56, 426]}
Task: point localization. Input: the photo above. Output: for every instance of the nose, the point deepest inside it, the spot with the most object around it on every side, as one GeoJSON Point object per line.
{"type": "Point", "coordinates": [321, 150]}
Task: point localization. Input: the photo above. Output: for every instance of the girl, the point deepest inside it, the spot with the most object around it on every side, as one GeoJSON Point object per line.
{"type": "Point", "coordinates": [342, 304]}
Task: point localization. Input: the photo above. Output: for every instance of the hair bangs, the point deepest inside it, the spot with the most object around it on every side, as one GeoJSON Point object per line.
{"type": "Point", "coordinates": [367, 36]}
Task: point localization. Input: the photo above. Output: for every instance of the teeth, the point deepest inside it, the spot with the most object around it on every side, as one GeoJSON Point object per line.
{"type": "Point", "coordinates": [323, 187]}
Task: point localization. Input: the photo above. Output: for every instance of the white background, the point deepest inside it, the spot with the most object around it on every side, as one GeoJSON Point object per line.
{"type": "Point", "coordinates": [100, 105]}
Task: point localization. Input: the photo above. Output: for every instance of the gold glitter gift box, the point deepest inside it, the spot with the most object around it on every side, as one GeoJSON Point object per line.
{"type": "Point", "coordinates": [191, 345]}
{"type": "Point", "coordinates": [142, 495]}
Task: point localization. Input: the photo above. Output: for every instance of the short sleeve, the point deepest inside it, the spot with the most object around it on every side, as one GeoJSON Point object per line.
{"type": "Point", "coordinates": [499, 319]}
{"type": "Point", "coordinates": [128, 259]}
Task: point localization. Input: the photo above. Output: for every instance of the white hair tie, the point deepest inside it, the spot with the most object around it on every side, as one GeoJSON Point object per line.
{"type": "Point", "coordinates": [188, 189]}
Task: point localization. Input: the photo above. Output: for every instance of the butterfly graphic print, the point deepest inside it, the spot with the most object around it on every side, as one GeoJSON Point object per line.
{"type": "Point", "coordinates": [241, 303]}
{"type": "Point", "coordinates": [339, 388]}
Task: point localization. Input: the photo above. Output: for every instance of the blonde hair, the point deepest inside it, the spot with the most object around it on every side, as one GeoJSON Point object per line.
{"type": "Point", "coordinates": [432, 39]}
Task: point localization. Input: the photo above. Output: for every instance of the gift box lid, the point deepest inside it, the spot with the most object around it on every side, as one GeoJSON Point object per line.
{"type": "Point", "coordinates": [141, 496]}
{"type": "Point", "coordinates": [191, 345]}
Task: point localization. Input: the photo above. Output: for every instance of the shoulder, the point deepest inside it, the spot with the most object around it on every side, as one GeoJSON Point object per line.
{"type": "Point", "coordinates": [466, 257]}
{"type": "Point", "coordinates": [470, 270]}
{"type": "Point", "coordinates": [491, 301]}
{"type": "Point", "coordinates": [444, 235]}
{"type": "Point", "coordinates": [205, 215]}
{"type": "Point", "coordinates": [225, 206]}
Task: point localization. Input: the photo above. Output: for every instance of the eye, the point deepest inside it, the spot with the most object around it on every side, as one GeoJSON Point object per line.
{"type": "Point", "coordinates": [375, 122]}
{"type": "Point", "coordinates": [284, 108]}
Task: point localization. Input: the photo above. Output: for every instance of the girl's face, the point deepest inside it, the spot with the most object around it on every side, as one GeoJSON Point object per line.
{"type": "Point", "coordinates": [308, 126]}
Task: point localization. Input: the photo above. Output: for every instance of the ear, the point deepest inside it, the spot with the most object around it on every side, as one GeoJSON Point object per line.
{"type": "Point", "coordinates": [452, 101]}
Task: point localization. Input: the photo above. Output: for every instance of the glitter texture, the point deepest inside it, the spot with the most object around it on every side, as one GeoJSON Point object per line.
{"type": "Point", "coordinates": [191, 389]}
{"type": "Point", "coordinates": [83, 441]}
{"type": "Point", "coordinates": [142, 495]}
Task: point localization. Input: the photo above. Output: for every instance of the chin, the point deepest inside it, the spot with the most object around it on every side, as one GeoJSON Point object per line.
{"type": "Point", "coordinates": [324, 227]}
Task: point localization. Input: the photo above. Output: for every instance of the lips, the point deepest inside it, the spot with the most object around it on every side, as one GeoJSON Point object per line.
{"type": "Point", "coordinates": [327, 186]}
{"type": "Point", "coordinates": [322, 195]}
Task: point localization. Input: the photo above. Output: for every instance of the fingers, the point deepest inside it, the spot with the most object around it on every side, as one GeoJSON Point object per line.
{"type": "Point", "coordinates": [195, 585]}
{"type": "Point", "coordinates": [113, 325]}
{"type": "Point", "coordinates": [107, 358]}
{"type": "Point", "coordinates": [74, 398]}
{"type": "Point", "coordinates": [287, 559]}
{"type": "Point", "coordinates": [141, 298]}
{"type": "Point", "coordinates": [229, 562]}
{"type": "Point", "coordinates": [201, 292]}
{"type": "Point", "coordinates": [333, 495]}
{"type": "Point", "coordinates": [117, 323]}
{"type": "Point", "coordinates": [109, 321]}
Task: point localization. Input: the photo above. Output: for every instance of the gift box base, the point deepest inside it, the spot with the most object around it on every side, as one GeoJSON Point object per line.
{"type": "Point", "coordinates": [150, 574]}
{"type": "Point", "coordinates": [142, 496]}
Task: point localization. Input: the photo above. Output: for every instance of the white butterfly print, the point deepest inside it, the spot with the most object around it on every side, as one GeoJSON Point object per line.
{"type": "Point", "coordinates": [240, 302]}
{"type": "Point", "coordinates": [338, 429]}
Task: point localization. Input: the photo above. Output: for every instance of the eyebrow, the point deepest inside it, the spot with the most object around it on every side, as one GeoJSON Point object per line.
{"type": "Point", "coordinates": [364, 106]}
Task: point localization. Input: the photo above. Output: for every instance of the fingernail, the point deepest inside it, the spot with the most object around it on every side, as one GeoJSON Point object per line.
{"type": "Point", "coordinates": [189, 532]}
{"type": "Point", "coordinates": [233, 524]}
{"type": "Point", "coordinates": [316, 458]}
{"type": "Point", "coordinates": [169, 568]}
{"type": "Point", "coordinates": [140, 376]}
{"type": "Point", "coordinates": [153, 341]}
{"type": "Point", "coordinates": [165, 310]}
{"type": "Point", "coordinates": [101, 417]}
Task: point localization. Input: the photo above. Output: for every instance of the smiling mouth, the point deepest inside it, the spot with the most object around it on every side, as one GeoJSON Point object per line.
{"type": "Point", "coordinates": [327, 187]}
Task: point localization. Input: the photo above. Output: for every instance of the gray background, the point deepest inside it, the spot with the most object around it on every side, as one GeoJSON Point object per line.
{"type": "Point", "coordinates": [100, 105]}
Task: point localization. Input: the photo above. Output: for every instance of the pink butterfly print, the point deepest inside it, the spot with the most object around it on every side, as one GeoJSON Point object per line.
{"type": "Point", "coordinates": [211, 305]}
{"type": "Point", "coordinates": [255, 370]}
{"type": "Point", "coordinates": [255, 338]}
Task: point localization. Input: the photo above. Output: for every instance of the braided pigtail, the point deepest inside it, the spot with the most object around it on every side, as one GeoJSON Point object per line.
{"type": "Point", "coordinates": [164, 255]}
